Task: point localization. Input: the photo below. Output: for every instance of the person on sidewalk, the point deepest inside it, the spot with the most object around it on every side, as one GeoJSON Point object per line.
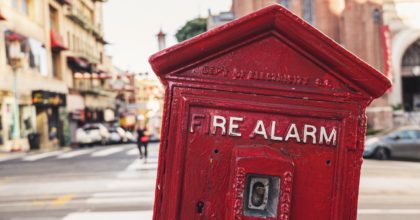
{"type": "Point", "coordinates": [142, 141]}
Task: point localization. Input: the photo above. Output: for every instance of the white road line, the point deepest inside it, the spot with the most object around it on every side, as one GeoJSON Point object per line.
{"type": "Point", "coordinates": [121, 200]}
{"type": "Point", "coordinates": [124, 184]}
{"type": "Point", "coordinates": [124, 194]}
{"type": "Point", "coordinates": [140, 165]}
{"type": "Point", "coordinates": [41, 156]}
{"type": "Point", "coordinates": [107, 152]}
{"type": "Point", "coordinates": [137, 215]}
{"type": "Point", "coordinates": [11, 157]}
{"type": "Point", "coordinates": [74, 153]}
{"type": "Point", "coordinates": [388, 211]}
{"type": "Point", "coordinates": [133, 152]}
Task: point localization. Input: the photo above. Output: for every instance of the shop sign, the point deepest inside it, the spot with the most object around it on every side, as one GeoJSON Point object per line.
{"type": "Point", "coordinates": [43, 98]}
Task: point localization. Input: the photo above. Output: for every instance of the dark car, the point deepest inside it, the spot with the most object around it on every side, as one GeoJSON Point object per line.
{"type": "Point", "coordinates": [403, 142]}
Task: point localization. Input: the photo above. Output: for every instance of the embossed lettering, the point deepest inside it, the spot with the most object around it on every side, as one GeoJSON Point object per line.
{"type": "Point", "coordinates": [273, 131]}
{"type": "Point", "coordinates": [329, 139]}
{"type": "Point", "coordinates": [233, 126]}
{"type": "Point", "coordinates": [218, 122]}
{"type": "Point", "coordinates": [292, 133]}
{"type": "Point", "coordinates": [259, 129]}
{"type": "Point", "coordinates": [195, 122]}
{"type": "Point", "coordinates": [309, 130]}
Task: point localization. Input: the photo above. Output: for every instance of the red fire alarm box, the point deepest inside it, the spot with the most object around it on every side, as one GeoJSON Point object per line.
{"type": "Point", "coordinates": [264, 118]}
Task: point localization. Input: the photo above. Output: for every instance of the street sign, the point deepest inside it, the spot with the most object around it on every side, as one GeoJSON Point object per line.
{"type": "Point", "coordinates": [264, 118]}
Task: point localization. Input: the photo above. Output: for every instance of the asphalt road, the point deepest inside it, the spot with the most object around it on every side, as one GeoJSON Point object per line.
{"type": "Point", "coordinates": [111, 183]}
{"type": "Point", "coordinates": [389, 190]}
{"type": "Point", "coordinates": [92, 183]}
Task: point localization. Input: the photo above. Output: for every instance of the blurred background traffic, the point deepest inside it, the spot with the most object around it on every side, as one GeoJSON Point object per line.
{"type": "Point", "coordinates": [75, 85]}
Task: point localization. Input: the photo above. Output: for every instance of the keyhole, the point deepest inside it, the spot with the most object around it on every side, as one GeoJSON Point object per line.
{"type": "Point", "coordinates": [200, 207]}
{"type": "Point", "coordinates": [258, 194]}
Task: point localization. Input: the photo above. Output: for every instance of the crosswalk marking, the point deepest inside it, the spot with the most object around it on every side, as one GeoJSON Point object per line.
{"type": "Point", "coordinates": [389, 211]}
{"type": "Point", "coordinates": [74, 153]}
{"type": "Point", "coordinates": [152, 163]}
{"type": "Point", "coordinates": [122, 197]}
{"type": "Point", "coordinates": [41, 156]}
{"type": "Point", "coordinates": [146, 184]}
{"type": "Point", "coordinates": [135, 215]}
{"type": "Point", "coordinates": [133, 152]}
{"type": "Point", "coordinates": [11, 157]}
{"type": "Point", "coordinates": [129, 150]}
{"type": "Point", "coordinates": [107, 152]}
{"type": "Point", "coordinates": [125, 194]}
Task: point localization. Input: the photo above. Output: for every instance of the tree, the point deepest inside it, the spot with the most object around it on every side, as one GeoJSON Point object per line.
{"type": "Point", "coordinates": [191, 28]}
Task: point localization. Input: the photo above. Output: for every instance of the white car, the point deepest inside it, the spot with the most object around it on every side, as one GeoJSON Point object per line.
{"type": "Point", "coordinates": [114, 137]}
{"type": "Point", "coordinates": [119, 135]}
{"type": "Point", "coordinates": [130, 137]}
{"type": "Point", "coordinates": [97, 132]}
{"type": "Point", "coordinates": [82, 138]}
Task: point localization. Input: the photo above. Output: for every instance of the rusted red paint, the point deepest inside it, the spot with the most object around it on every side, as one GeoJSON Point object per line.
{"type": "Point", "coordinates": [265, 94]}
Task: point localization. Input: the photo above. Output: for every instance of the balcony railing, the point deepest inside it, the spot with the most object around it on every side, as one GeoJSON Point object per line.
{"type": "Point", "coordinates": [79, 17]}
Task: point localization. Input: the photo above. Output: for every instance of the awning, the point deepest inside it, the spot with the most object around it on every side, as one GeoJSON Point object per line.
{"type": "Point", "coordinates": [57, 42]}
{"type": "Point", "coordinates": [2, 18]}
{"type": "Point", "coordinates": [67, 2]}
{"type": "Point", "coordinates": [104, 75]}
{"type": "Point", "coordinates": [78, 64]}
{"type": "Point", "coordinates": [13, 36]}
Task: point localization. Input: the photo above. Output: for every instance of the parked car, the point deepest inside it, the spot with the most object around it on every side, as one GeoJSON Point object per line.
{"type": "Point", "coordinates": [402, 143]}
{"type": "Point", "coordinates": [82, 138]}
{"type": "Point", "coordinates": [119, 135]}
{"type": "Point", "coordinates": [98, 133]}
{"type": "Point", "coordinates": [114, 137]}
{"type": "Point", "coordinates": [131, 138]}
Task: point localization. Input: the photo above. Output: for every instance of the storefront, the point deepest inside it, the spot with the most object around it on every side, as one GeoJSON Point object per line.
{"type": "Point", "coordinates": [99, 108]}
{"type": "Point", "coordinates": [51, 118]}
{"type": "Point", "coordinates": [26, 120]}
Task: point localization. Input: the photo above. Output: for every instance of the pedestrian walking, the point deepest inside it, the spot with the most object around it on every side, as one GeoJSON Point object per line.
{"type": "Point", "coordinates": [142, 142]}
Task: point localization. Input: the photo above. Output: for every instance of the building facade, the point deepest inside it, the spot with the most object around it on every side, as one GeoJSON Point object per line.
{"type": "Point", "coordinates": [402, 19]}
{"type": "Point", "coordinates": [61, 40]}
{"type": "Point", "coordinates": [149, 102]}
{"type": "Point", "coordinates": [357, 25]}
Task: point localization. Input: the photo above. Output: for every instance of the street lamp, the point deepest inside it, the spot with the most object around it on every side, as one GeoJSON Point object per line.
{"type": "Point", "coordinates": [16, 57]}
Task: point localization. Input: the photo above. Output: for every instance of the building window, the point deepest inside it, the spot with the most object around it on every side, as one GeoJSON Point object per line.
{"type": "Point", "coordinates": [308, 12]}
{"type": "Point", "coordinates": [35, 54]}
{"type": "Point", "coordinates": [25, 7]}
{"type": "Point", "coordinates": [53, 19]}
{"type": "Point", "coordinates": [411, 57]}
{"type": "Point", "coordinates": [285, 3]}
{"type": "Point", "coordinates": [56, 65]}
{"type": "Point", "coordinates": [15, 4]}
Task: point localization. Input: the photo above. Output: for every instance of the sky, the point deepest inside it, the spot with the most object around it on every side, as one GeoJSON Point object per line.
{"type": "Point", "coordinates": [131, 26]}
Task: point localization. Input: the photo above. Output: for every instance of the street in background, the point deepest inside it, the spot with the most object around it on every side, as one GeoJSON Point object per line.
{"type": "Point", "coordinates": [403, 142]}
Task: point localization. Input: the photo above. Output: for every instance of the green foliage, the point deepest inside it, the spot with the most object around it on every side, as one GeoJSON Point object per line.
{"type": "Point", "coordinates": [192, 28]}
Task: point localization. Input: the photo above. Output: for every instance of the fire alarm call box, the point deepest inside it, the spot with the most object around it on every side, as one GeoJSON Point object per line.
{"type": "Point", "coordinates": [264, 118]}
